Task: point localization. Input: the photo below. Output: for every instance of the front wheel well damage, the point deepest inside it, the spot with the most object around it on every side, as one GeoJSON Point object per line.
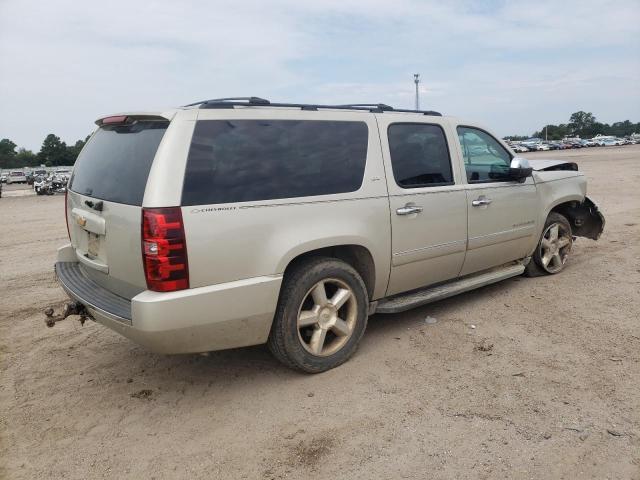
{"type": "Point", "coordinates": [585, 218]}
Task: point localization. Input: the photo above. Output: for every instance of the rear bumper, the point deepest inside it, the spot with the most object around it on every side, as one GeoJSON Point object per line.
{"type": "Point", "coordinates": [228, 315]}
{"type": "Point", "coordinates": [95, 298]}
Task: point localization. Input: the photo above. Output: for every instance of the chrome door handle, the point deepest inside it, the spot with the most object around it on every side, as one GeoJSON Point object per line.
{"type": "Point", "coordinates": [480, 201]}
{"type": "Point", "coordinates": [408, 209]}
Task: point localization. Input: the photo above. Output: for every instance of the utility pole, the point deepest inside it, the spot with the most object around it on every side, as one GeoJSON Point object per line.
{"type": "Point", "coordinates": [416, 80]}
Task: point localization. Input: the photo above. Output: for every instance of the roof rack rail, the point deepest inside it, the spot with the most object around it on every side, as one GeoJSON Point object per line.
{"type": "Point", "coordinates": [231, 102]}
{"type": "Point", "coordinates": [431, 113]}
{"type": "Point", "coordinates": [249, 100]}
{"type": "Point", "coordinates": [377, 106]}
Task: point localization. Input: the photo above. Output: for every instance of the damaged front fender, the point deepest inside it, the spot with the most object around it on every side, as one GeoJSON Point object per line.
{"type": "Point", "coordinates": [586, 218]}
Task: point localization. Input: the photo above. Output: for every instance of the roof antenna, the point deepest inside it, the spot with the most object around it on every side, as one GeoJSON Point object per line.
{"type": "Point", "coordinates": [416, 80]}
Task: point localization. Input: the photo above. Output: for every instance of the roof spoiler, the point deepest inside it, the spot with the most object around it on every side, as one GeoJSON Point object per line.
{"type": "Point", "coordinates": [128, 119]}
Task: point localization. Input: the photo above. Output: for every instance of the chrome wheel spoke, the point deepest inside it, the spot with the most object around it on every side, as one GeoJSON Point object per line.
{"type": "Point", "coordinates": [563, 242]}
{"type": "Point", "coordinates": [546, 244]}
{"type": "Point", "coordinates": [556, 260]}
{"type": "Point", "coordinates": [340, 297]}
{"type": "Point", "coordinates": [553, 233]}
{"type": "Point", "coordinates": [306, 318]}
{"type": "Point", "coordinates": [546, 259]}
{"type": "Point", "coordinates": [317, 340]}
{"type": "Point", "coordinates": [341, 328]}
{"type": "Point", "coordinates": [319, 294]}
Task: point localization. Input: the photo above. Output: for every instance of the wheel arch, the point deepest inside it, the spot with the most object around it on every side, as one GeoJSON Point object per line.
{"type": "Point", "coordinates": [558, 203]}
{"type": "Point", "coordinates": [356, 255]}
{"type": "Point", "coordinates": [584, 216]}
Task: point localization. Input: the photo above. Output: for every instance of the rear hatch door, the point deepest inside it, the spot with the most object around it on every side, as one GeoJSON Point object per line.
{"type": "Point", "coordinates": [104, 200]}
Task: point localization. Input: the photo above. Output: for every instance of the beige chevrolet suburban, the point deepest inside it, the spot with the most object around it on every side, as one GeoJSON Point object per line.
{"type": "Point", "coordinates": [235, 222]}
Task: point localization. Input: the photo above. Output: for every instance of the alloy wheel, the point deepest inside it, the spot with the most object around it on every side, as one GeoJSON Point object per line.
{"type": "Point", "coordinates": [554, 247]}
{"type": "Point", "coordinates": [327, 317]}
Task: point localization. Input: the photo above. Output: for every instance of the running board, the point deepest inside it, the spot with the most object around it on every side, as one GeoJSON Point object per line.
{"type": "Point", "coordinates": [432, 294]}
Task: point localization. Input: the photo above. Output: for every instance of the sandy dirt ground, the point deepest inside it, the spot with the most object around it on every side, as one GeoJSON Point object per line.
{"type": "Point", "coordinates": [547, 384]}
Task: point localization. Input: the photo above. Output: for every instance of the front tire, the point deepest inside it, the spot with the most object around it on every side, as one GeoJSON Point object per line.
{"type": "Point", "coordinates": [321, 316]}
{"type": "Point", "coordinates": [553, 248]}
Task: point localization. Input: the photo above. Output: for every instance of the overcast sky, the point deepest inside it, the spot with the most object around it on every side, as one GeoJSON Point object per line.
{"type": "Point", "coordinates": [512, 65]}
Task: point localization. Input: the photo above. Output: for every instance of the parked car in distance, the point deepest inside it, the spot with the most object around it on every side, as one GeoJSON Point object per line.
{"type": "Point", "coordinates": [16, 176]}
{"type": "Point", "coordinates": [237, 222]}
{"type": "Point", "coordinates": [3, 178]}
{"type": "Point", "coordinates": [531, 143]}
{"type": "Point", "coordinates": [520, 148]}
{"type": "Point", "coordinates": [606, 140]}
{"type": "Point", "coordinates": [611, 142]}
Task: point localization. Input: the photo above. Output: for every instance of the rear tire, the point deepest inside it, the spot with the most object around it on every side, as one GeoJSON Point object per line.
{"type": "Point", "coordinates": [553, 247]}
{"type": "Point", "coordinates": [321, 316]}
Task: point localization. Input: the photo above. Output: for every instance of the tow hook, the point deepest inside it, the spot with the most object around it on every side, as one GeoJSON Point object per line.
{"type": "Point", "coordinates": [71, 308]}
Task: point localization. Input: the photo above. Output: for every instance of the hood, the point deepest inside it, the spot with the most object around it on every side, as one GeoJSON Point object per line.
{"type": "Point", "coordinates": [550, 165]}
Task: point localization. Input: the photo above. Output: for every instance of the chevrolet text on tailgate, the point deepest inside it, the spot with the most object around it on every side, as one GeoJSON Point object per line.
{"type": "Point", "coordinates": [235, 222]}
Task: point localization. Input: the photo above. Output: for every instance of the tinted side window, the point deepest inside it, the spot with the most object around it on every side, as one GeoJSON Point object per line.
{"type": "Point", "coordinates": [249, 160]}
{"type": "Point", "coordinates": [115, 163]}
{"type": "Point", "coordinates": [419, 155]}
{"type": "Point", "coordinates": [485, 160]}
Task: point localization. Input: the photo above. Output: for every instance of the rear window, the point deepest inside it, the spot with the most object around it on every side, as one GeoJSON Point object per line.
{"type": "Point", "coordinates": [249, 160]}
{"type": "Point", "coordinates": [115, 163]}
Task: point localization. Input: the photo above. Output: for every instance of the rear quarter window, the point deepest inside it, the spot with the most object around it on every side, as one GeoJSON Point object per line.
{"type": "Point", "coordinates": [250, 160]}
{"type": "Point", "coordinates": [419, 155]}
{"type": "Point", "coordinates": [115, 163]}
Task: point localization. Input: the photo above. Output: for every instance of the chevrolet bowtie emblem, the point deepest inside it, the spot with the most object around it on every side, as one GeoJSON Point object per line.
{"type": "Point", "coordinates": [81, 221]}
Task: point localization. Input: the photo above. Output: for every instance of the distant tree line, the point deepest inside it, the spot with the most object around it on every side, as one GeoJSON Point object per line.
{"type": "Point", "coordinates": [53, 152]}
{"type": "Point", "coordinates": [584, 125]}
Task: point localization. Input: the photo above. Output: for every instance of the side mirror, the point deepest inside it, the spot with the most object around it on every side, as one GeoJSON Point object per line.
{"type": "Point", "coordinates": [519, 169]}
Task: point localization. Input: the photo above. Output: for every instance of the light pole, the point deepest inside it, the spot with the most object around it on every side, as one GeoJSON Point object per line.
{"type": "Point", "coordinates": [416, 80]}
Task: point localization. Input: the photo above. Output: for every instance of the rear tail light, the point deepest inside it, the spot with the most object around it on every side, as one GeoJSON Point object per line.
{"type": "Point", "coordinates": [66, 211]}
{"type": "Point", "coordinates": [164, 249]}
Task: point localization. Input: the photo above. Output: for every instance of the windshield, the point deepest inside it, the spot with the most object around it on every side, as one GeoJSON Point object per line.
{"type": "Point", "coordinates": [115, 163]}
